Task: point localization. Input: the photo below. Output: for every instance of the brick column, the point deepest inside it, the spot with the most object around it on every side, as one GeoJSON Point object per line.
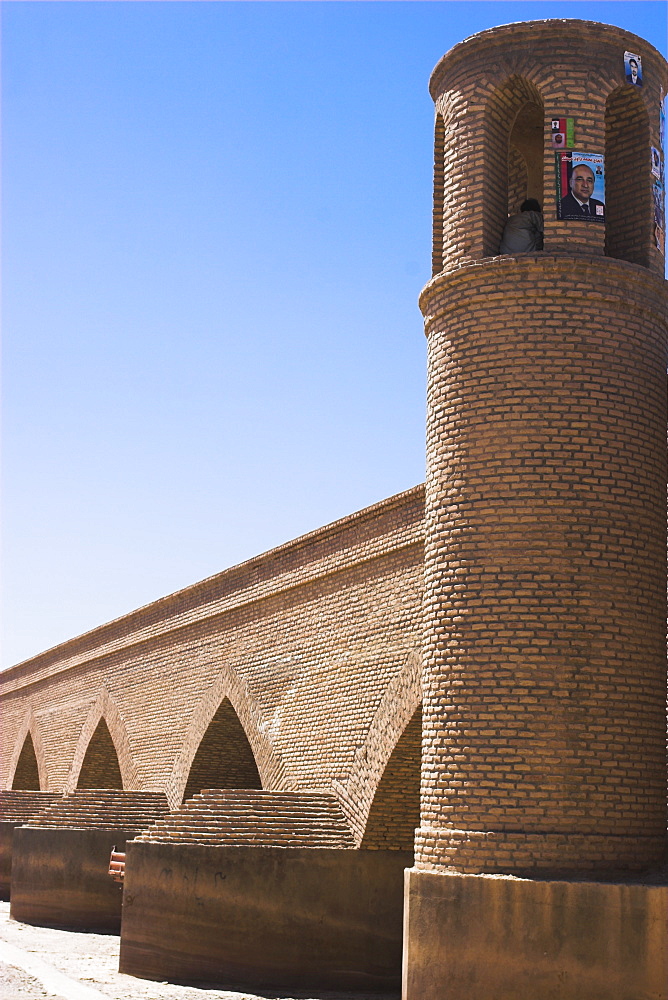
{"type": "Point", "coordinates": [544, 670]}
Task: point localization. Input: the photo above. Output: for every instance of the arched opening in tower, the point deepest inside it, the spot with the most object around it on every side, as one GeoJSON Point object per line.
{"type": "Point", "coordinates": [439, 196]}
{"type": "Point", "coordinates": [224, 758]}
{"type": "Point", "coordinates": [26, 776]}
{"type": "Point", "coordinates": [628, 182]}
{"type": "Point", "coordinates": [100, 768]}
{"type": "Point", "coordinates": [513, 155]}
{"type": "Point", "coordinates": [395, 810]}
{"type": "Point", "coordinates": [525, 157]}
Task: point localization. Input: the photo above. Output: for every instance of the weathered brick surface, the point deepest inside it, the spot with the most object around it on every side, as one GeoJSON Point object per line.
{"type": "Point", "coordinates": [279, 673]}
{"type": "Point", "coordinates": [545, 676]}
{"type": "Point", "coordinates": [102, 809]}
{"type": "Point", "coordinates": [235, 818]}
{"type": "Point", "coordinates": [628, 228]}
{"type": "Point", "coordinates": [21, 806]}
{"type": "Point", "coordinates": [545, 550]}
{"type": "Point", "coordinates": [395, 812]}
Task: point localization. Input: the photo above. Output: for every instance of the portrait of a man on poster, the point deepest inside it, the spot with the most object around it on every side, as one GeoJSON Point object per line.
{"type": "Point", "coordinates": [580, 186]}
{"type": "Point", "coordinates": [633, 69]}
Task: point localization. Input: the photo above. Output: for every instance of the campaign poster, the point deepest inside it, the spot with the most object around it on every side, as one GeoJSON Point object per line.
{"type": "Point", "coordinates": [563, 133]}
{"type": "Point", "coordinates": [656, 163]}
{"type": "Point", "coordinates": [633, 68]}
{"type": "Point", "coordinates": [580, 186]}
{"type": "Point", "coordinates": [659, 217]}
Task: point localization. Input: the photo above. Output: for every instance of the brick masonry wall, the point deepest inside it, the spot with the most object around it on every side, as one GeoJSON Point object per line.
{"type": "Point", "coordinates": [569, 68]}
{"type": "Point", "coordinates": [438, 212]}
{"type": "Point", "coordinates": [517, 179]}
{"type": "Point", "coordinates": [545, 560]}
{"type": "Point", "coordinates": [102, 809]}
{"type": "Point", "coordinates": [311, 643]}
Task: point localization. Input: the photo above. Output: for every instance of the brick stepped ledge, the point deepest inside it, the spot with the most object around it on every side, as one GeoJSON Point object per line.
{"type": "Point", "coordinates": [20, 806]}
{"type": "Point", "coordinates": [103, 809]}
{"type": "Point", "coordinates": [244, 818]}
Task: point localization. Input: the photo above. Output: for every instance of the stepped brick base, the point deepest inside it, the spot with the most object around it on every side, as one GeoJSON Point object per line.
{"type": "Point", "coordinates": [60, 861]}
{"type": "Point", "coordinates": [17, 808]}
{"type": "Point", "coordinates": [256, 917]}
{"type": "Point", "coordinates": [103, 809]}
{"type": "Point", "coordinates": [491, 937]}
{"type": "Point", "coordinates": [236, 817]}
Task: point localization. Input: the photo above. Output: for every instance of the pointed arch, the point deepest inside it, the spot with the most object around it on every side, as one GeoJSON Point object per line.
{"type": "Point", "coordinates": [105, 735]}
{"type": "Point", "coordinates": [395, 810]}
{"type": "Point", "coordinates": [215, 717]}
{"type": "Point", "coordinates": [513, 160]}
{"type": "Point", "coordinates": [628, 181]}
{"type": "Point", "coordinates": [397, 708]}
{"type": "Point", "coordinates": [29, 738]}
{"type": "Point", "coordinates": [26, 775]}
{"type": "Point", "coordinates": [100, 767]}
{"type": "Point", "coordinates": [224, 758]}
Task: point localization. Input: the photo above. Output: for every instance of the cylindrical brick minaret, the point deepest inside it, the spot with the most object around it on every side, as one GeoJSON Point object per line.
{"type": "Point", "coordinates": [545, 658]}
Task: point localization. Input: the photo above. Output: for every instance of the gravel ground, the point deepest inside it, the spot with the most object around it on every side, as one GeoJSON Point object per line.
{"type": "Point", "coordinates": [15, 984]}
{"type": "Point", "coordinates": [91, 960]}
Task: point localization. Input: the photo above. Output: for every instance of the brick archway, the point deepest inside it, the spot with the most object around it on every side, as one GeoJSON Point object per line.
{"type": "Point", "coordinates": [628, 182]}
{"type": "Point", "coordinates": [100, 767]}
{"type": "Point", "coordinates": [105, 708]}
{"type": "Point", "coordinates": [513, 154]}
{"type": "Point", "coordinates": [224, 758]}
{"type": "Point", "coordinates": [394, 815]}
{"type": "Point", "coordinates": [398, 706]}
{"type": "Point", "coordinates": [29, 728]}
{"type": "Point", "coordinates": [228, 685]}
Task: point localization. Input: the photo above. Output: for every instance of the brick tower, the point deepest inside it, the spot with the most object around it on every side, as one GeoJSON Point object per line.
{"type": "Point", "coordinates": [543, 765]}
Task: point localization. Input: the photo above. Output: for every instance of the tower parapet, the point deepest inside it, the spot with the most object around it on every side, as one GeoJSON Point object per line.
{"type": "Point", "coordinates": [496, 95]}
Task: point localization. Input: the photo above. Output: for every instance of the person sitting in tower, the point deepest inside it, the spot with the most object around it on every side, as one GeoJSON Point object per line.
{"type": "Point", "coordinates": [523, 232]}
{"type": "Point", "coordinates": [579, 202]}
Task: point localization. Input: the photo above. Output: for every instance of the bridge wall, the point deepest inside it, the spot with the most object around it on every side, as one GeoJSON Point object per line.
{"type": "Point", "coordinates": [315, 644]}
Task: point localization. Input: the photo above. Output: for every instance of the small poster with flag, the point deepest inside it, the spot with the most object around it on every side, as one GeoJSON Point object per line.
{"type": "Point", "coordinates": [563, 133]}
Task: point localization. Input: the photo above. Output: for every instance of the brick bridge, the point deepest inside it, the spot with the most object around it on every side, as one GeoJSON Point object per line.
{"type": "Point", "coordinates": [465, 683]}
{"type": "Point", "coordinates": [295, 671]}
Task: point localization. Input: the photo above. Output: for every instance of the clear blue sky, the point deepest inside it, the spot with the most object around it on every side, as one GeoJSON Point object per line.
{"type": "Point", "coordinates": [217, 221]}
